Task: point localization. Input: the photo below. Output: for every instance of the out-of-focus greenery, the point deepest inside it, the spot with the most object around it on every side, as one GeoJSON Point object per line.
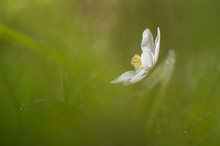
{"type": "Point", "coordinates": [58, 56]}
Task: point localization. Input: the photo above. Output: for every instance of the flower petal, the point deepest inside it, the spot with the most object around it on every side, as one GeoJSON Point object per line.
{"type": "Point", "coordinates": [157, 46]}
{"type": "Point", "coordinates": [134, 79]}
{"type": "Point", "coordinates": [125, 77]}
{"type": "Point", "coordinates": [147, 43]}
{"type": "Point", "coordinates": [147, 60]}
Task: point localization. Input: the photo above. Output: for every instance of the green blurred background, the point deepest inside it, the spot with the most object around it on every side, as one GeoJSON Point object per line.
{"type": "Point", "coordinates": [58, 56]}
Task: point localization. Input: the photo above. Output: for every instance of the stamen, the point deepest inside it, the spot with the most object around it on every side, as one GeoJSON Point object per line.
{"type": "Point", "coordinates": [136, 61]}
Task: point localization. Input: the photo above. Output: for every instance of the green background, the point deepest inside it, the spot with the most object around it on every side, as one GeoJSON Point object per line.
{"type": "Point", "coordinates": [58, 56]}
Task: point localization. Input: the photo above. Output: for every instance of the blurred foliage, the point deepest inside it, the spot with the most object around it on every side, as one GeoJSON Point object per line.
{"type": "Point", "coordinates": [57, 58]}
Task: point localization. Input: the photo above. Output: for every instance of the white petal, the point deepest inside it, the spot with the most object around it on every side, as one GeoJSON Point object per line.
{"type": "Point", "coordinates": [134, 79]}
{"type": "Point", "coordinates": [124, 77]}
{"type": "Point", "coordinates": [147, 59]}
{"type": "Point", "coordinates": [157, 45]}
{"type": "Point", "coordinates": [147, 43]}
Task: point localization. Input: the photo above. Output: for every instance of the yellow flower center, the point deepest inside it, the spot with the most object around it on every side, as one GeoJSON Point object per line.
{"type": "Point", "coordinates": [136, 61]}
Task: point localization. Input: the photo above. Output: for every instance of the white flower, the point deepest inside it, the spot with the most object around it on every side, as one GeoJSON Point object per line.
{"type": "Point", "coordinates": [142, 64]}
